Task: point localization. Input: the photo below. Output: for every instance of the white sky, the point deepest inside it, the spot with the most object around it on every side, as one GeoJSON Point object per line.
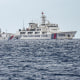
{"type": "Point", "coordinates": [66, 13]}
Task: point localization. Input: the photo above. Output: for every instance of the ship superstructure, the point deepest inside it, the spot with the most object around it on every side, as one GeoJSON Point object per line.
{"type": "Point", "coordinates": [45, 30]}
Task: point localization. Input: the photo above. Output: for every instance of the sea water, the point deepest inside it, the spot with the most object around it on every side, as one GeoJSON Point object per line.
{"type": "Point", "coordinates": [40, 60]}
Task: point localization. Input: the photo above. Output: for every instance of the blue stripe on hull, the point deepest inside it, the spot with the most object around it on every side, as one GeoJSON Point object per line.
{"type": "Point", "coordinates": [54, 36]}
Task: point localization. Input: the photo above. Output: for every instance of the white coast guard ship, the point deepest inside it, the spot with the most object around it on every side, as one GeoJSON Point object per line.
{"type": "Point", "coordinates": [45, 30]}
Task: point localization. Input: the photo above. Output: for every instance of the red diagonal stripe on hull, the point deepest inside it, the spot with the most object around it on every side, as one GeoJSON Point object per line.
{"type": "Point", "coordinates": [11, 37]}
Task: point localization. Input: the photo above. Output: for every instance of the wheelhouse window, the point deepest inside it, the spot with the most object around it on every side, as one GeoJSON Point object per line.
{"type": "Point", "coordinates": [52, 26]}
{"type": "Point", "coordinates": [38, 29]}
{"type": "Point", "coordinates": [32, 29]}
{"type": "Point", "coordinates": [22, 32]}
{"type": "Point", "coordinates": [44, 33]}
{"type": "Point", "coordinates": [37, 32]}
{"type": "Point", "coordinates": [30, 32]}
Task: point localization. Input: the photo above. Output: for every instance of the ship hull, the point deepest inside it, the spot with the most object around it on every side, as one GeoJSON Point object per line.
{"type": "Point", "coordinates": [59, 35]}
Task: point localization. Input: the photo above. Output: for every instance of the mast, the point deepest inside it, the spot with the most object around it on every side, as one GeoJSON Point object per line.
{"type": "Point", "coordinates": [43, 18]}
{"type": "Point", "coordinates": [23, 26]}
{"type": "Point", "coordinates": [0, 30]}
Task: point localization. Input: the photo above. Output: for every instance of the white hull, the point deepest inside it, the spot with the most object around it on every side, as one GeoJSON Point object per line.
{"type": "Point", "coordinates": [60, 35]}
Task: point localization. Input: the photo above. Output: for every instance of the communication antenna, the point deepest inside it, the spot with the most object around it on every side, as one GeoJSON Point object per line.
{"type": "Point", "coordinates": [23, 22]}
{"type": "Point", "coordinates": [0, 30]}
{"type": "Point", "coordinates": [6, 30]}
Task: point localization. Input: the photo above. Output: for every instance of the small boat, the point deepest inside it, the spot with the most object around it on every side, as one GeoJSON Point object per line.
{"type": "Point", "coordinates": [5, 35]}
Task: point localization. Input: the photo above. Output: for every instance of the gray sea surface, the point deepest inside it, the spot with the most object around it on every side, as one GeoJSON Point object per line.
{"type": "Point", "coordinates": [40, 60]}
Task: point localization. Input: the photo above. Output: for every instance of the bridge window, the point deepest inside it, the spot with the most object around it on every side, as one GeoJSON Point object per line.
{"type": "Point", "coordinates": [30, 32]}
{"type": "Point", "coordinates": [22, 32]}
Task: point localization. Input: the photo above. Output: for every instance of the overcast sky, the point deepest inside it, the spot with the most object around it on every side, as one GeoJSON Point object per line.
{"type": "Point", "coordinates": [65, 13]}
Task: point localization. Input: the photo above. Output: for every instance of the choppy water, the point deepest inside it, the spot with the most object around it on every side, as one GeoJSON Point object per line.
{"type": "Point", "coordinates": [40, 60]}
